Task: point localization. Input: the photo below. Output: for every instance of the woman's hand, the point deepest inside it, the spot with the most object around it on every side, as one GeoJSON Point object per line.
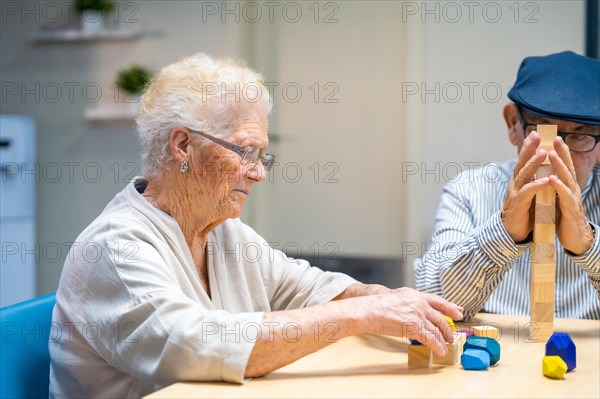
{"type": "Point", "coordinates": [405, 312]}
{"type": "Point", "coordinates": [362, 308]}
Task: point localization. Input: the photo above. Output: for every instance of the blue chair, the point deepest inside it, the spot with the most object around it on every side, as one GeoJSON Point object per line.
{"type": "Point", "coordinates": [24, 356]}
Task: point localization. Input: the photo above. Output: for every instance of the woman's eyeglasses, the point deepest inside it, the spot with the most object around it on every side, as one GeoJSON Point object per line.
{"type": "Point", "coordinates": [248, 154]}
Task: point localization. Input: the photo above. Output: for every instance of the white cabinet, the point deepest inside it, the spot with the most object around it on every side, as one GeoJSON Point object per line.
{"type": "Point", "coordinates": [17, 209]}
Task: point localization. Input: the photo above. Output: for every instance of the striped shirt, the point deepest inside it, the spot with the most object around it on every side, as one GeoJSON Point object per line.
{"type": "Point", "coordinates": [473, 261]}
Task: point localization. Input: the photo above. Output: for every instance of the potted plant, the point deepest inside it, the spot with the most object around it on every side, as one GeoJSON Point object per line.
{"type": "Point", "coordinates": [133, 80]}
{"type": "Point", "coordinates": [92, 13]}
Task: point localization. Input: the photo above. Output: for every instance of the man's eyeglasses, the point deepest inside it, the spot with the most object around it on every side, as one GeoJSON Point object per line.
{"type": "Point", "coordinates": [577, 142]}
{"type": "Point", "coordinates": [248, 154]}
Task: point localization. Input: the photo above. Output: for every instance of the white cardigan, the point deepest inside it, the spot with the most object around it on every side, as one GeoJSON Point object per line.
{"type": "Point", "coordinates": [132, 316]}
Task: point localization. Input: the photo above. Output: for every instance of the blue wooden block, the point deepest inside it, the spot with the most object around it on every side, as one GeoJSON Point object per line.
{"type": "Point", "coordinates": [561, 344]}
{"type": "Point", "coordinates": [490, 345]}
{"type": "Point", "coordinates": [475, 359]}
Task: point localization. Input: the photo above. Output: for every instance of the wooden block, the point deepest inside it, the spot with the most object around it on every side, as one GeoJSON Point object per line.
{"type": "Point", "coordinates": [544, 171]}
{"type": "Point", "coordinates": [487, 344]}
{"type": "Point", "coordinates": [546, 196]}
{"type": "Point", "coordinates": [462, 339]}
{"type": "Point", "coordinates": [419, 356]}
{"type": "Point", "coordinates": [554, 367]}
{"type": "Point", "coordinates": [475, 359]}
{"type": "Point", "coordinates": [542, 312]}
{"type": "Point", "coordinates": [547, 134]}
{"type": "Point", "coordinates": [487, 331]}
{"type": "Point", "coordinates": [561, 344]}
{"type": "Point", "coordinates": [543, 253]}
{"type": "Point", "coordinates": [540, 331]}
{"type": "Point", "coordinates": [462, 336]}
{"type": "Point", "coordinates": [544, 233]}
{"type": "Point", "coordinates": [450, 323]}
{"type": "Point", "coordinates": [454, 352]}
{"type": "Point", "coordinates": [542, 291]}
{"type": "Point", "coordinates": [545, 213]}
{"type": "Point", "coordinates": [546, 162]}
{"type": "Point", "coordinates": [543, 273]}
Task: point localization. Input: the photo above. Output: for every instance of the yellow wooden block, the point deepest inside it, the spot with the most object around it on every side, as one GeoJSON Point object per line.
{"type": "Point", "coordinates": [543, 272]}
{"type": "Point", "coordinates": [486, 331]}
{"type": "Point", "coordinates": [542, 311]}
{"type": "Point", "coordinates": [542, 291]}
{"type": "Point", "coordinates": [450, 323]}
{"type": "Point", "coordinates": [554, 367]}
{"type": "Point", "coordinates": [544, 233]}
{"type": "Point", "coordinates": [454, 352]}
{"type": "Point", "coordinates": [419, 356]}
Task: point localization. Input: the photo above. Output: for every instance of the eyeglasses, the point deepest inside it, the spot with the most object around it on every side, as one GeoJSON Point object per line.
{"type": "Point", "coordinates": [249, 155]}
{"type": "Point", "coordinates": [577, 142]}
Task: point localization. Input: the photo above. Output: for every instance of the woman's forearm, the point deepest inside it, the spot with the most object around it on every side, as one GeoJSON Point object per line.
{"type": "Point", "coordinates": [292, 334]}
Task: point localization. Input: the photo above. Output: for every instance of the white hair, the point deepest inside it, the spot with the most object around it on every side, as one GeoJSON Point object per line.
{"type": "Point", "coordinates": [199, 92]}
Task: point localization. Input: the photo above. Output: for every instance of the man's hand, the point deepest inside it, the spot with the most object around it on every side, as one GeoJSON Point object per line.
{"type": "Point", "coordinates": [517, 206]}
{"type": "Point", "coordinates": [573, 229]}
{"type": "Point", "coordinates": [405, 312]}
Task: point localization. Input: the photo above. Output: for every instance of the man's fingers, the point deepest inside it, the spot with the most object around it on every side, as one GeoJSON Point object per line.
{"type": "Point", "coordinates": [527, 172]}
{"type": "Point", "coordinates": [562, 171]}
{"type": "Point", "coordinates": [564, 193]}
{"type": "Point", "coordinates": [564, 153]}
{"type": "Point", "coordinates": [528, 150]}
{"type": "Point", "coordinates": [528, 192]}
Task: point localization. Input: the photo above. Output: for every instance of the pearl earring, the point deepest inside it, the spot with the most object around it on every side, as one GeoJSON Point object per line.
{"type": "Point", "coordinates": [183, 166]}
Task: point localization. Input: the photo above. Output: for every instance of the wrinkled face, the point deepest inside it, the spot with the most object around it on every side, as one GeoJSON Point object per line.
{"type": "Point", "coordinates": [583, 162]}
{"type": "Point", "coordinates": [225, 182]}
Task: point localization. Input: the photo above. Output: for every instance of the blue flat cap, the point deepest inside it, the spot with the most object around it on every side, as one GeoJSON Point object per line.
{"type": "Point", "coordinates": [560, 86]}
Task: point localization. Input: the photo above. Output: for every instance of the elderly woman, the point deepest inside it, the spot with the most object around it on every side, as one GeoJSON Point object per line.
{"type": "Point", "coordinates": [160, 287]}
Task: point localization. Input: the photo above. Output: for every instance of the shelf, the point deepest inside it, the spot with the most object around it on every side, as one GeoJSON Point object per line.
{"type": "Point", "coordinates": [112, 112]}
{"type": "Point", "coordinates": [78, 35]}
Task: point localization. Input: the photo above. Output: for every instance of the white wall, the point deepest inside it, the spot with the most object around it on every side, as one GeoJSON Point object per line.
{"type": "Point", "coordinates": [354, 138]}
{"type": "Point", "coordinates": [369, 55]}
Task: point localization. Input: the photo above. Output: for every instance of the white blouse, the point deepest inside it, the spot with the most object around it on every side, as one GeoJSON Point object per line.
{"type": "Point", "coordinates": [131, 314]}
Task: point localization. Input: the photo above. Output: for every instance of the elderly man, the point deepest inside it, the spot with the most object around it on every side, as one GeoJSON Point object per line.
{"type": "Point", "coordinates": [479, 256]}
{"type": "Point", "coordinates": [176, 287]}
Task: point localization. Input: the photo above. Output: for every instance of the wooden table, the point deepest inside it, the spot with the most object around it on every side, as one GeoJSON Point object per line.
{"type": "Point", "coordinates": [376, 366]}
